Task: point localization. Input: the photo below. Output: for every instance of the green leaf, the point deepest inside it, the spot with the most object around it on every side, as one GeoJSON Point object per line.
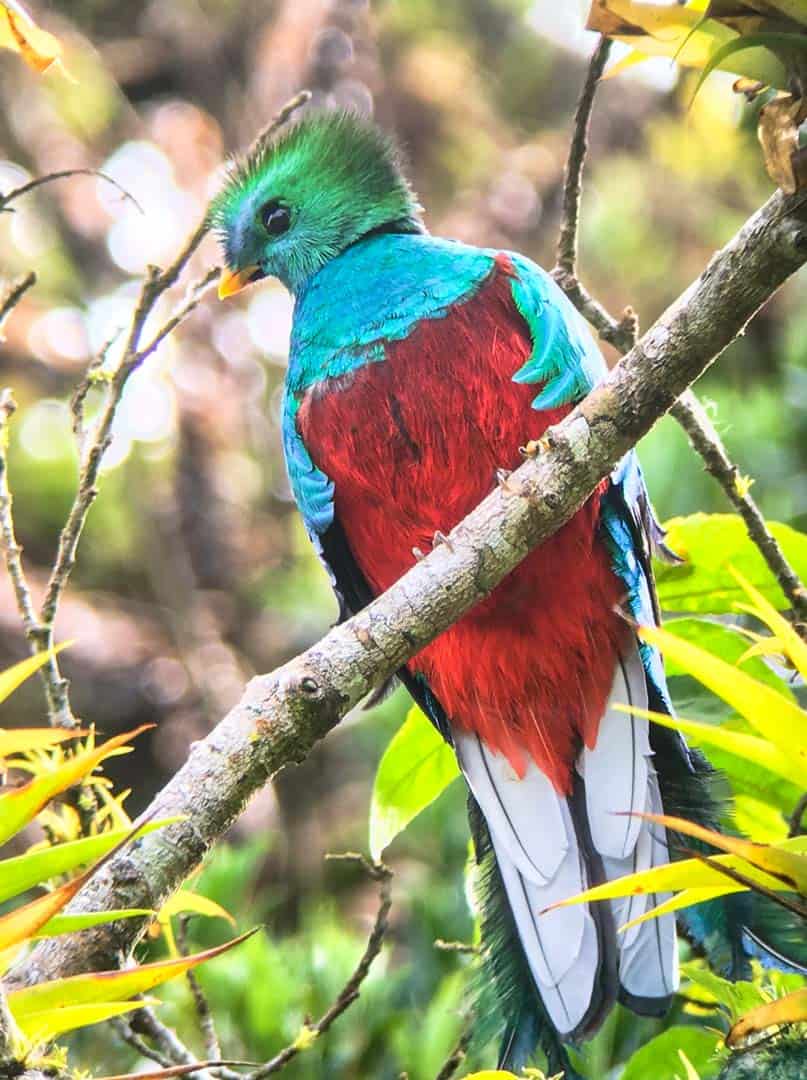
{"type": "Point", "coordinates": [12, 677]}
{"type": "Point", "coordinates": [736, 997]}
{"type": "Point", "coordinates": [709, 543]}
{"type": "Point", "coordinates": [106, 986]}
{"type": "Point", "coordinates": [36, 867]}
{"type": "Point", "coordinates": [69, 924]}
{"type": "Point", "coordinates": [186, 902]}
{"type": "Point", "coordinates": [782, 46]}
{"type": "Point", "coordinates": [769, 712]}
{"type": "Point", "coordinates": [660, 1059]}
{"type": "Point", "coordinates": [40, 1027]}
{"type": "Point", "coordinates": [417, 767]}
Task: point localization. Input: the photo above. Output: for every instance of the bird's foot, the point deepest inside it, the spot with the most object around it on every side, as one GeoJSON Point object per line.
{"type": "Point", "coordinates": [441, 538]}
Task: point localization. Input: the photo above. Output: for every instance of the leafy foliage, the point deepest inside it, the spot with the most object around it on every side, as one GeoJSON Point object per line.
{"type": "Point", "coordinates": [417, 767]}
{"type": "Point", "coordinates": [711, 544]}
{"type": "Point", "coordinates": [46, 1010]}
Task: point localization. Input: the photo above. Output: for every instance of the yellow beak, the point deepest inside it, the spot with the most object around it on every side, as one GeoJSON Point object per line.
{"type": "Point", "coordinates": [233, 281]}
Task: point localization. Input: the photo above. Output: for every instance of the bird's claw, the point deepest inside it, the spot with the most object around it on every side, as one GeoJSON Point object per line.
{"type": "Point", "coordinates": [441, 538]}
{"type": "Point", "coordinates": [536, 446]}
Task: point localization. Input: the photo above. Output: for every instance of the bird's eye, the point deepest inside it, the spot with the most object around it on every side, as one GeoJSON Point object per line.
{"type": "Point", "coordinates": [275, 218]}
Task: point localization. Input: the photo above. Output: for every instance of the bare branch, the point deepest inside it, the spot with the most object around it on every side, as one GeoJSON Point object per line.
{"type": "Point", "coordinates": [567, 240]}
{"type": "Point", "coordinates": [195, 294]}
{"type": "Point", "coordinates": [13, 297]}
{"type": "Point", "coordinates": [207, 1024]}
{"type": "Point", "coordinates": [139, 1044]}
{"type": "Point", "coordinates": [11, 549]}
{"type": "Point", "coordinates": [350, 991]}
{"type": "Point", "coordinates": [94, 443]}
{"type": "Point", "coordinates": [456, 1058]}
{"type": "Point", "coordinates": [170, 1046]}
{"type": "Point", "coordinates": [282, 715]}
{"type": "Point", "coordinates": [622, 334]}
{"type": "Point", "coordinates": [38, 181]}
{"type": "Point", "coordinates": [279, 119]}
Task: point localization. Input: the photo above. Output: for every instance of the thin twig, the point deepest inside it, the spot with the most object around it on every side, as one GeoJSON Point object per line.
{"type": "Point", "coordinates": [139, 1044]}
{"type": "Point", "coordinates": [622, 334]}
{"type": "Point", "coordinates": [13, 297]}
{"type": "Point", "coordinates": [94, 443]}
{"type": "Point", "coordinates": [195, 294]}
{"type": "Point", "coordinates": [567, 239]}
{"type": "Point", "coordinates": [456, 1058]}
{"type": "Point", "coordinates": [350, 991]}
{"type": "Point", "coordinates": [38, 181]}
{"type": "Point", "coordinates": [207, 1025]}
{"type": "Point", "coordinates": [168, 1042]}
{"type": "Point", "coordinates": [178, 1070]}
{"type": "Point", "coordinates": [281, 117]}
{"type": "Point", "coordinates": [11, 549]}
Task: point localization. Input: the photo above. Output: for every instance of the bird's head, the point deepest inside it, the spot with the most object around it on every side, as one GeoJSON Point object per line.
{"type": "Point", "coordinates": [299, 200]}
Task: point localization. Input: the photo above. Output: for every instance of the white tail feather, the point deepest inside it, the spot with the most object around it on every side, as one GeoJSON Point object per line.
{"type": "Point", "coordinates": [537, 851]}
{"type": "Point", "coordinates": [648, 953]}
{"type": "Point", "coordinates": [561, 946]}
{"type": "Point", "coordinates": [524, 813]}
{"type": "Point", "coordinates": [615, 771]}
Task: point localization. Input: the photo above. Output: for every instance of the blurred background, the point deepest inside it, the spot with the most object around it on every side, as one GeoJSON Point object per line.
{"type": "Point", "coordinates": [194, 571]}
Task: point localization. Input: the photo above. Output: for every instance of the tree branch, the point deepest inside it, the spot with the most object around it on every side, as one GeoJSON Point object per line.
{"type": "Point", "coordinates": [282, 715]}
{"type": "Point", "coordinates": [622, 334]}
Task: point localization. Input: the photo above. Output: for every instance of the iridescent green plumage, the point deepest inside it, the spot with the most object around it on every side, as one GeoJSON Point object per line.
{"type": "Point", "coordinates": [340, 178]}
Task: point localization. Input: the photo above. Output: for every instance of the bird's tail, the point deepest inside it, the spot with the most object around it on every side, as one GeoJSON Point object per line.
{"type": "Point", "coordinates": [536, 847]}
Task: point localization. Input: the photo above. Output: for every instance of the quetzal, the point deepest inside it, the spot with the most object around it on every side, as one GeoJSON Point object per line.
{"type": "Point", "coordinates": [418, 366]}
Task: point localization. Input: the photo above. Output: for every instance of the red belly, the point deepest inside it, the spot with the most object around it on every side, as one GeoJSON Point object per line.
{"type": "Point", "coordinates": [412, 444]}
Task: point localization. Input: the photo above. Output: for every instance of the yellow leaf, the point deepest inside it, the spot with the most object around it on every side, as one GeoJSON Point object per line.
{"type": "Point", "coordinates": [783, 631]}
{"type": "Point", "coordinates": [683, 35]}
{"type": "Point", "coordinates": [9, 957]}
{"type": "Point", "coordinates": [629, 60]}
{"type": "Point", "coordinates": [749, 747]}
{"type": "Point", "coordinates": [685, 898]}
{"type": "Point", "coordinates": [20, 925]}
{"type": "Point", "coordinates": [685, 874]}
{"type": "Point", "coordinates": [789, 867]}
{"type": "Point", "coordinates": [101, 986]}
{"type": "Point", "coordinates": [769, 712]}
{"type": "Point", "coordinates": [12, 677]}
{"type": "Point", "coordinates": [43, 1026]}
{"type": "Point", "coordinates": [185, 902]}
{"type": "Point", "coordinates": [790, 1009]}
{"type": "Point", "coordinates": [40, 864]}
{"type": "Point", "coordinates": [491, 1074]}
{"type": "Point", "coordinates": [19, 32]}
{"type": "Point", "coordinates": [22, 804]}
{"type": "Point", "coordinates": [20, 740]}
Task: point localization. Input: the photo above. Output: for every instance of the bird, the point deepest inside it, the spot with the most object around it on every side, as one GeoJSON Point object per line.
{"type": "Point", "coordinates": [419, 369]}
